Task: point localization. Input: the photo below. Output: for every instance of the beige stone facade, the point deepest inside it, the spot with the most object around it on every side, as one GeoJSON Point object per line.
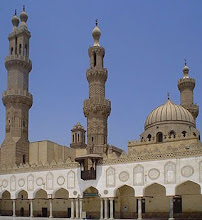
{"type": "Point", "coordinates": [160, 177]}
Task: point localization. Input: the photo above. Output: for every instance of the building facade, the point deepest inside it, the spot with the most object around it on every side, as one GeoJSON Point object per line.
{"type": "Point", "coordinates": [160, 177]}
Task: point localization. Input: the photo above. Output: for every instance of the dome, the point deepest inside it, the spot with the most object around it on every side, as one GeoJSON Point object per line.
{"type": "Point", "coordinates": [96, 33]}
{"type": "Point", "coordinates": [169, 112]}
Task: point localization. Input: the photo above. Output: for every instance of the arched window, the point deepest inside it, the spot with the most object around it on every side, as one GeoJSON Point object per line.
{"type": "Point", "coordinates": [184, 133]}
{"type": "Point", "coordinates": [149, 137]}
{"type": "Point", "coordinates": [73, 138]}
{"type": "Point", "coordinates": [11, 50]}
{"type": "Point", "coordinates": [25, 51]}
{"type": "Point", "coordinates": [20, 48]}
{"type": "Point", "coordinates": [94, 59]}
{"type": "Point", "coordinates": [194, 134]}
{"type": "Point", "coordinates": [172, 134]}
{"type": "Point", "coordinates": [159, 137]}
{"type": "Point", "coordinates": [23, 158]}
{"type": "Point", "coordinates": [78, 137]}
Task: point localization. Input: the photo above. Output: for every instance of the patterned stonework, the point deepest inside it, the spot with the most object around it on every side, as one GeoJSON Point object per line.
{"type": "Point", "coordinates": [71, 179]}
{"type": "Point", "coordinates": [154, 174]}
{"type": "Point", "coordinates": [187, 171]}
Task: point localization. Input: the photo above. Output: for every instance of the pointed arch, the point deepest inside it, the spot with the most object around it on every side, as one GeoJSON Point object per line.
{"type": "Point", "coordinates": [21, 193]}
{"type": "Point", "coordinates": [155, 189]}
{"type": "Point", "coordinates": [40, 193]}
{"type": "Point", "coordinates": [60, 193]}
{"type": "Point", "coordinates": [188, 187]}
{"type": "Point", "coordinates": [5, 193]}
{"type": "Point", "coordinates": [90, 189]}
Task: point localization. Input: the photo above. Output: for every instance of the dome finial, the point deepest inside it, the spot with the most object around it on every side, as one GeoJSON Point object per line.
{"type": "Point", "coordinates": [23, 8]}
{"type": "Point", "coordinates": [168, 95]}
{"type": "Point", "coordinates": [23, 18]}
{"type": "Point", "coordinates": [15, 21]}
{"type": "Point", "coordinates": [186, 69]}
{"type": "Point", "coordinates": [96, 33]}
{"type": "Point", "coordinates": [15, 12]}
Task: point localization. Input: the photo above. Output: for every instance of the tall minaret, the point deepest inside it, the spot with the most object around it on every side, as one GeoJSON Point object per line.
{"type": "Point", "coordinates": [186, 86]}
{"type": "Point", "coordinates": [96, 108]}
{"type": "Point", "coordinates": [17, 99]}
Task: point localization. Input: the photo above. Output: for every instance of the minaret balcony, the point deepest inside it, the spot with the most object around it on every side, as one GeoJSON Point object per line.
{"type": "Point", "coordinates": [19, 60]}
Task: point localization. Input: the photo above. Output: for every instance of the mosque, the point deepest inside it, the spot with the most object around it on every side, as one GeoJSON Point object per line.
{"type": "Point", "coordinates": [160, 177]}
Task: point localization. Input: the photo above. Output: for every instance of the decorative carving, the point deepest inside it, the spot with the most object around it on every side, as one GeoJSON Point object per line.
{"type": "Point", "coordinates": [105, 191]}
{"type": "Point", "coordinates": [5, 183]}
{"type": "Point", "coordinates": [124, 176]}
{"type": "Point", "coordinates": [110, 174]}
{"type": "Point", "coordinates": [21, 182]}
{"type": "Point", "coordinates": [30, 182]}
{"type": "Point", "coordinates": [154, 174]}
{"type": "Point", "coordinates": [39, 181]}
{"type": "Point", "coordinates": [187, 171]}
{"type": "Point", "coordinates": [138, 175]}
{"type": "Point", "coordinates": [71, 179]}
{"type": "Point", "coordinates": [13, 183]}
{"type": "Point", "coordinates": [60, 180]}
{"type": "Point", "coordinates": [49, 181]}
{"type": "Point", "coordinates": [170, 173]}
{"type": "Point", "coordinates": [75, 193]}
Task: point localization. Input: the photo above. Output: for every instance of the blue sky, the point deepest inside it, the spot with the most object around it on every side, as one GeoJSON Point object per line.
{"type": "Point", "coordinates": [145, 42]}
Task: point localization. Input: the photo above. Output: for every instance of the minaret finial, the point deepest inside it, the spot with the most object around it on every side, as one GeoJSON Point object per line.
{"type": "Point", "coordinates": [185, 62]}
{"type": "Point", "coordinates": [96, 34]}
{"type": "Point", "coordinates": [168, 95]}
{"type": "Point", "coordinates": [23, 8]}
{"type": "Point", "coordinates": [96, 22]}
{"type": "Point", "coordinates": [15, 11]}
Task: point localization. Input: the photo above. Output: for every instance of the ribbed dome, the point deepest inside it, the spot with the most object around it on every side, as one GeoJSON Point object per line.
{"type": "Point", "coordinates": [169, 112]}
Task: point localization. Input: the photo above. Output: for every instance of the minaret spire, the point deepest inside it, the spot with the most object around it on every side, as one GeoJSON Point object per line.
{"type": "Point", "coordinates": [97, 108]}
{"type": "Point", "coordinates": [186, 87]}
{"type": "Point", "coordinates": [17, 99]}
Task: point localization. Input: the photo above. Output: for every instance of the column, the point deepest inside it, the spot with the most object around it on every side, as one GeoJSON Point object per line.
{"type": "Point", "coordinates": [171, 209]}
{"type": "Point", "coordinates": [14, 208]}
{"type": "Point", "coordinates": [72, 208]}
{"type": "Point", "coordinates": [106, 208]}
{"type": "Point", "coordinates": [77, 208]}
{"type": "Point", "coordinates": [101, 208]}
{"type": "Point", "coordinates": [81, 207]}
{"type": "Point", "coordinates": [111, 208]}
{"type": "Point", "coordinates": [31, 208]}
{"type": "Point", "coordinates": [51, 208]}
{"type": "Point", "coordinates": [139, 208]}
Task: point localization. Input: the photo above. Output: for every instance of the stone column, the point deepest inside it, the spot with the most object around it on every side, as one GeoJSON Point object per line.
{"type": "Point", "coordinates": [101, 208]}
{"type": "Point", "coordinates": [72, 208]}
{"type": "Point", "coordinates": [77, 208]}
{"type": "Point", "coordinates": [14, 208]}
{"type": "Point", "coordinates": [81, 207]}
{"type": "Point", "coordinates": [139, 209]}
{"type": "Point", "coordinates": [51, 208]}
{"type": "Point", "coordinates": [171, 209]}
{"type": "Point", "coordinates": [31, 208]}
{"type": "Point", "coordinates": [111, 208]}
{"type": "Point", "coordinates": [106, 208]}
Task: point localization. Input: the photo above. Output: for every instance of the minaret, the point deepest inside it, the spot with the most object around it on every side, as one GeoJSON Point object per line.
{"type": "Point", "coordinates": [78, 136]}
{"type": "Point", "coordinates": [97, 108]}
{"type": "Point", "coordinates": [17, 99]}
{"type": "Point", "coordinates": [186, 86]}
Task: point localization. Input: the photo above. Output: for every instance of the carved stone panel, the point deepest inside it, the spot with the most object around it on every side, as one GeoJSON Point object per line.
{"type": "Point", "coordinates": [138, 175]}
{"type": "Point", "coordinates": [21, 182]}
{"type": "Point", "coordinates": [60, 180]}
{"type": "Point", "coordinates": [110, 177]}
{"type": "Point", "coordinates": [13, 183]}
{"type": "Point", "coordinates": [170, 173]}
{"type": "Point", "coordinates": [30, 183]}
{"type": "Point", "coordinates": [49, 181]}
{"type": "Point", "coordinates": [71, 179]}
{"type": "Point", "coordinates": [124, 176]}
{"type": "Point", "coordinates": [187, 171]}
{"type": "Point", "coordinates": [154, 174]}
{"type": "Point", "coordinates": [39, 181]}
{"type": "Point", "coordinates": [5, 183]}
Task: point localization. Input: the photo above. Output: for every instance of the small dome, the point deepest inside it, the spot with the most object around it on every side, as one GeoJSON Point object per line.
{"type": "Point", "coordinates": [23, 18]}
{"type": "Point", "coordinates": [169, 112]}
{"type": "Point", "coordinates": [15, 20]}
{"type": "Point", "coordinates": [96, 33]}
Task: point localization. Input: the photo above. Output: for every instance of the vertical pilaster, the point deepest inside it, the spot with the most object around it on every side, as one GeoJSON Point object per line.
{"type": "Point", "coordinates": [77, 208]}
{"type": "Point", "coordinates": [31, 208]}
{"type": "Point", "coordinates": [171, 209]}
{"type": "Point", "coordinates": [111, 208]}
{"type": "Point", "coordinates": [51, 208]}
{"type": "Point", "coordinates": [81, 207]}
{"type": "Point", "coordinates": [139, 208]}
{"type": "Point", "coordinates": [72, 208]}
{"type": "Point", "coordinates": [106, 208]}
{"type": "Point", "coordinates": [14, 205]}
{"type": "Point", "coordinates": [101, 208]}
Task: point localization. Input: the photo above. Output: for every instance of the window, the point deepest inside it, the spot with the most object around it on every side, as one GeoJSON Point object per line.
{"type": "Point", "coordinates": [159, 137]}
{"type": "Point", "coordinates": [194, 134]}
{"type": "Point", "coordinates": [94, 59]}
{"type": "Point", "coordinates": [177, 205]}
{"type": "Point", "coordinates": [78, 137]}
{"type": "Point", "coordinates": [20, 48]}
{"type": "Point", "coordinates": [149, 137]}
{"type": "Point", "coordinates": [16, 42]}
{"type": "Point", "coordinates": [25, 51]}
{"type": "Point", "coordinates": [24, 158]}
{"type": "Point", "coordinates": [11, 50]}
{"type": "Point", "coordinates": [172, 134]}
{"type": "Point", "coordinates": [184, 133]}
{"type": "Point", "coordinates": [92, 139]}
{"type": "Point", "coordinates": [73, 138]}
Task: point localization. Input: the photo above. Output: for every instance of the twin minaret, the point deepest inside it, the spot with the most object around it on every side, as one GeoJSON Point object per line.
{"type": "Point", "coordinates": [17, 99]}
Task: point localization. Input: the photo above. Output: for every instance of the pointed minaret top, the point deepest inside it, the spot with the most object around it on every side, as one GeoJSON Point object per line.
{"type": "Point", "coordinates": [96, 33]}
{"type": "Point", "coordinates": [186, 70]}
